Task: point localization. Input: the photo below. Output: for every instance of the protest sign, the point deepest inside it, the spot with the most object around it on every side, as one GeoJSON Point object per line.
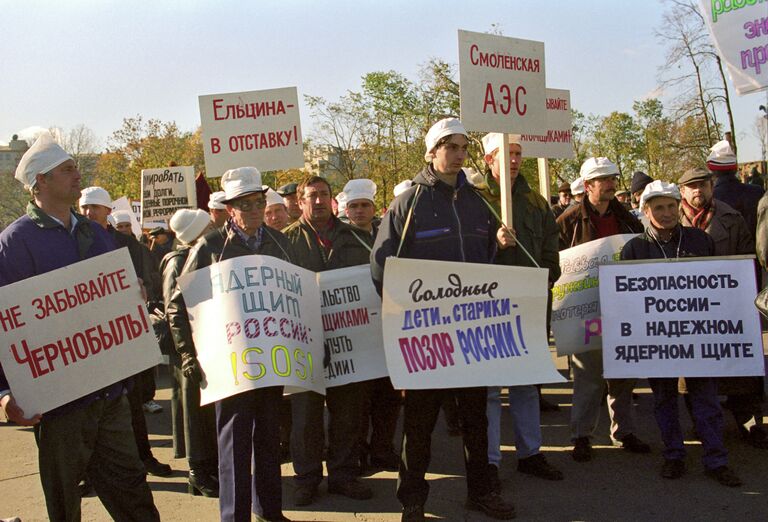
{"type": "Point", "coordinates": [575, 296]}
{"type": "Point", "coordinates": [166, 190]}
{"type": "Point", "coordinates": [261, 129]}
{"type": "Point", "coordinates": [502, 84]}
{"type": "Point", "coordinates": [555, 141]}
{"type": "Point", "coordinates": [680, 319]}
{"type": "Point", "coordinates": [457, 325]}
{"type": "Point", "coordinates": [255, 323]}
{"type": "Point", "coordinates": [73, 331]}
{"type": "Point", "coordinates": [125, 205]}
{"type": "Point", "coordinates": [351, 311]}
{"type": "Point", "coordinates": [740, 33]}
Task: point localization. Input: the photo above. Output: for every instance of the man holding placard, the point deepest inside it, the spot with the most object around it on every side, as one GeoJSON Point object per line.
{"type": "Point", "coordinates": [91, 436]}
{"type": "Point", "coordinates": [665, 238]}
{"type": "Point", "coordinates": [247, 423]}
{"type": "Point", "coordinates": [598, 215]}
{"type": "Point", "coordinates": [533, 243]}
{"type": "Point", "coordinates": [323, 243]}
{"type": "Point", "coordinates": [441, 217]}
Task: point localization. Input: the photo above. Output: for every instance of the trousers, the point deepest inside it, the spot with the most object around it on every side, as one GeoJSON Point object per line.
{"type": "Point", "coordinates": [526, 419]}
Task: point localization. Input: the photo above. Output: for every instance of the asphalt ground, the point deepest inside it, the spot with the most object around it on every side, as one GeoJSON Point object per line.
{"type": "Point", "coordinates": [615, 485]}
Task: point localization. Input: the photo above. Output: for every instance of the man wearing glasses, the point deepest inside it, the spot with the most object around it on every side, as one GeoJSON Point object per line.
{"type": "Point", "coordinates": [247, 424]}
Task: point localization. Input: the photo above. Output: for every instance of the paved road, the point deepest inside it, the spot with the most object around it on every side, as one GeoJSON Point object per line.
{"type": "Point", "coordinates": [614, 486]}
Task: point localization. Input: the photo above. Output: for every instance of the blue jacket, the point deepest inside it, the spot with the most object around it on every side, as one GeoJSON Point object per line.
{"type": "Point", "coordinates": [35, 244]}
{"type": "Point", "coordinates": [447, 225]}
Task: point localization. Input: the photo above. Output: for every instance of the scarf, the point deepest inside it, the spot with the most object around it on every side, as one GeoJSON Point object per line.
{"type": "Point", "coordinates": [699, 218]}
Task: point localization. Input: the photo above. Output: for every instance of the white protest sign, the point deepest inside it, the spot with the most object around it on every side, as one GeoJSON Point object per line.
{"type": "Point", "coordinates": [502, 84]}
{"type": "Point", "coordinates": [257, 128]}
{"type": "Point", "coordinates": [555, 141]}
{"type": "Point", "coordinates": [125, 205]}
{"type": "Point", "coordinates": [681, 319]}
{"type": "Point", "coordinates": [255, 323]}
{"type": "Point", "coordinates": [352, 324]}
{"type": "Point", "coordinates": [740, 33]}
{"type": "Point", "coordinates": [166, 190]}
{"type": "Point", "coordinates": [73, 331]}
{"type": "Point", "coordinates": [457, 325]}
{"type": "Point", "coordinates": [575, 296]}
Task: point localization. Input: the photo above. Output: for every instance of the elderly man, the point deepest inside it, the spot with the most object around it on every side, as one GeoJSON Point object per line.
{"type": "Point", "coordinates": [665, 238]}
{"type": "Point", "coordinates": [91, 436]}
{"type": "Point", "coordinates": [564, 199]}
{"type": "Point", "coordinates": [744, 198]}
{"type": "Point", "coordinates": [577, 191]}
{"type": "Point", "coordinates": [323, 242]}
{"type": "Point", "coordinates": [448, 220]}
{"type": "Point", "coordinates": [536, 233]}
{"type": "Point", "coordinates": [247, 423]}
{"type": "Point", "coordinates": [288, 192]}
{"type": "Point", "coordinates": [729, 232]}
{"type": "Point", "coordinates": [217, 209]}
{"type": "Point", "coordinates": [276, 215]}
{"type": "Point", "coordinates": [598, 216]}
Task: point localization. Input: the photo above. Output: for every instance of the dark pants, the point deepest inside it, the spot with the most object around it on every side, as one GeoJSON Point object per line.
{"type": "Point", "coordinates": [138, 421]}
{"type": "Point", "coordinates": [380, 411]}
{"type": "Point", "coordinates": [248, 426]}
{"type": "Point", "coordinates": [146, 381]}
{"type": "Point", "coordinates": [707, 417]}
{"type": "Point", "coordinates": [344, 406]}
{"type": "Point", "coordinates": [199, 429]}
{"type": "Point", "coordinates": [177, 411]}
{"type": "Point", "coordinates": [96, 442]}
{"type": "Point", "coordinates": [420, 414]}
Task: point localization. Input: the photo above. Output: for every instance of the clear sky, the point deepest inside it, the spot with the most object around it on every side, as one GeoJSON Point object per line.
{"type": "Point", "coordinates": [64, 63]}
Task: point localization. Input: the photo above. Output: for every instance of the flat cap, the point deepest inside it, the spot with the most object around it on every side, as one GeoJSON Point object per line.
{"type": "Point", "coordinates": [692, 175]}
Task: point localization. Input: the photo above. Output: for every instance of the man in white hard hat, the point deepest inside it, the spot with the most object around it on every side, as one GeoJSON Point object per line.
{"type": "Point", "coordinates": [359, 203]}
{"type": "Point", "coordinates": [217, 209]}
{"type": "Point", "coordinates": [537, 233]}
{"type": "Point", "coordinates": [460, 227]}
{"type": "Point", "coordinates": [96, 428]}
{"type": "Point", "coordinates": [599, 215]}
{"type": "Point", "coordinates": [276, 214]}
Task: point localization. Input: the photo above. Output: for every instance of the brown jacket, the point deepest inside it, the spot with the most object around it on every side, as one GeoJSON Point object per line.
{"type": "Point", "coordinates": [728, 229]}
{"type": "Point", "coordinates": [576, 227]}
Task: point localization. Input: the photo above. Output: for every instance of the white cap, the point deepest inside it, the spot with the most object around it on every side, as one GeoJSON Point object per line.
{"type": "Point", "coordinates": [577, 187]}
{"type": "Point", "coordinates": [95, 196]}
{"type": "Point", "coordinates": [273, 198]}
{"type": "Point", "coordinates": [43, 156]}
{"type": "Point", "coordinates": [360, 189]}
{"type": "Point", "coordinates": [189, 224]}
{"type": "Point", "coordinates": [216, 201]}
{"type": "Point", "coordinates": [241, 182]}
{"type": "Point", "coordinates": [492, 141]}
{"type": "Point", "coordinates": [598, 168]}
{"type": "Point", "coordinates": [442, 128]}
{"type": "Point", "coordinates": [341, 200]}
{"type": "Point", "coordinates": [721, 153]}
{"type": "Point", "coordinates": [659, 188]}
{"type": "Point", "coordinates": [402, 187]}
{"type": "Point", "coordinates": [121, 216]}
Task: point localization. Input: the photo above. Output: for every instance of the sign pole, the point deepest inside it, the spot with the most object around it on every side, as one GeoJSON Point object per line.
{"type": "Point", "coordinates": [505, 185]}
{"type": "Point", "coordinates": [544, 180]}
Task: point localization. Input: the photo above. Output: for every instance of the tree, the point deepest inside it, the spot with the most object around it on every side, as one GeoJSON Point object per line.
{"type": "Point", "coordinates": [618, 138]}
{"type": "Point", "coordinates": [81, 143]}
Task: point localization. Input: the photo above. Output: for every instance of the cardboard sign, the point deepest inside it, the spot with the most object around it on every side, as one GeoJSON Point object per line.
{"type": "Point", "coordinates": [575, 296]}
{"type": "Point", "coordinates": [260, 129]}
{"type": "Point", "coordinates": [680, 319]}
{"type": "Point", "coordinates": [741, 36]}
{"type": "Point", "coordinates": [74, 331]}
{"type": "Point", "coordinates": [164, 191]}
{"type": "Point", "coordinates": [555, 142]}
{"type": "Point", "coordinates": [352, 325]}
{"type": "Point", "coordinates": [457, 325]}
{"type": "Point", "coordinates": [502, 84]}
{"type": "Point", "coordinates": [255, 323]}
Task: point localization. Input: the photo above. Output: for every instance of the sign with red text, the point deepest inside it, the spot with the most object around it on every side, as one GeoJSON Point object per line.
{"type": "Point", "coordinates": [352, 324]}
{"type": "Point", "coordinates": [681, 319]}
{"type": "Point", "coordinates": [259, 129]}
{"type": "Point", "coordinates": [555, 142]}
{"type": "Point", "coordinates": [166, 190]}
{"type": "Point", "coordinates": [502, 84]}
{"type": "Point", "coordinates": [458, 325]}
{"type": "Point", "coordinates": [576, 322]}
{"type": "Point", "coordinates": [73, 331]}
{"type": "Point", "coordinates": [740, 33]}
{"type": "Point", "coordinates": [256, 323]}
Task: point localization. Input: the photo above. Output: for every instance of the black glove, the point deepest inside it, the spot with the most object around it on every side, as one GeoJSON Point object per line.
{"type": "Point", "coordinates": [190, 368]}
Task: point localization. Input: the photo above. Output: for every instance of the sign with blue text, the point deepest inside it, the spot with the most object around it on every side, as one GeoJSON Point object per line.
{"type": "Point", "coordinates": [458, 325]}
{"type": "Point", "coordinates": [680, 319]}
